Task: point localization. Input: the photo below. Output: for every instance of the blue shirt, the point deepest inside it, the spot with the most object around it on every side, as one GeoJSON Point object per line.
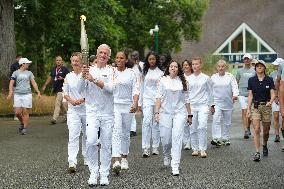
{"type": "Point", "coordinates": [54, 74]}
{"type": "Point", "coordinates": [261, 89]}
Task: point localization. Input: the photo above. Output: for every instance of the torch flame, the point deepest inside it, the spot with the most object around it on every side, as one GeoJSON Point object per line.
{"type": "Point", "coordinates": [83, 17]}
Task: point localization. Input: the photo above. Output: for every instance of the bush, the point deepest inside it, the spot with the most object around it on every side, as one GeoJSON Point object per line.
{"type": "Point", "coordinates": [42, 106]}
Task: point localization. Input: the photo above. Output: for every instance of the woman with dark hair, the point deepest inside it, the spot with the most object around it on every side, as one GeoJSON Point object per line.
{"type": "Point", "coordinates": [151, 75]}
{"type": "Point", "coordinates": [126, 94]}
{"type": "Point", "coordinates": [172, 110]}
{"type": "Point", "coordinates": [187, 69]}
{"type": "Point", "coordinates": [165, 60]}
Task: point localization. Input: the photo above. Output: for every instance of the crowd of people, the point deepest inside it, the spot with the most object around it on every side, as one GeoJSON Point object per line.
{"type": "Point", "coordinates": [175, 101]}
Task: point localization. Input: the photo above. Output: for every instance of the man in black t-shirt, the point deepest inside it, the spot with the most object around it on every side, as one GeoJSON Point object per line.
{"type": "Point", "coordinates": [16, 65]}
{"type": "Point", "coordinates": [57, 75]}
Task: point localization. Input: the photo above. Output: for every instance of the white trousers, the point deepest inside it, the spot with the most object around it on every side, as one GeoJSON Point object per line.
{"type": "Point", "coordinates": [121, 130]}
{"type": "Point", "coordinates": [216, 124]}
{"type": "Point", "coordinates": [133, 124]}
{"type": "Point", "coordinates": [76, 121]}
{"type": "Point", "coordinates": [186, 134]}
{"type": "Point", "coordinates": [198, 128]}
{"type": "Point", "coordinates": [172, 128]}
{"type": "Point", "coordinates": [105, 124]}
{"type": "Point", "coordinates": [149, 125]}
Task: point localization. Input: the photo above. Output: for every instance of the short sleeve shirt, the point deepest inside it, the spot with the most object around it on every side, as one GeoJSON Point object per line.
{"type": "Point", "coordinates": [54, 74]}
{"type": "Point", "coordinates": [22, 80]}
{"type": "Point", "coordinates": [261, 89]}
{"type": "Point", "coordinates": [243, 75]}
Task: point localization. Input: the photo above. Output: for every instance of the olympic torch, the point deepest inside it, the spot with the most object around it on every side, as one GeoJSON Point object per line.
{"type": "Point", "coordinates": [84, 42]}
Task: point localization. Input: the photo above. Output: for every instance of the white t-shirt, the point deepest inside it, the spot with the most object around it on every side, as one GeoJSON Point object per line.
{"type": "Point", "coordinates": [71, 88]}
{"type": "Point", "coordinates": [223, 89]}
{"type": "Point", "coordinates": [149, 86]}
{"type": "Point", "coordinates": [172, 95]}
{"type": "Point", "coordinates": [126, 85]}
{"type": "Point", "coordinates": [199, 89]}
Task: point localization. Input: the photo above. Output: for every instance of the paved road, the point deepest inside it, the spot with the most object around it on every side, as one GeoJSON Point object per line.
{"type": "Point", "coordinates": [39, 160]}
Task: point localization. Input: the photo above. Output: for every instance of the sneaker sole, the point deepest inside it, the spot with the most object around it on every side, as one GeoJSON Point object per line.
{"type": "Point", "coordinates": [145, 155]}
{"type": "Point", "coordinates": [93, 185]}
{"type": "Point", "coordinates": [155, 154]}
{"type": "Point", "coordinates": [71, 170]}
{"type": "Point", "coordinates": [246, 137]}
{"type": "Point", "coordinates": [116, 170]}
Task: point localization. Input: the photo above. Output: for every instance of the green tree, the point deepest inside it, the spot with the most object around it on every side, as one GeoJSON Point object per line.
{"type": "Point", "coordinates": [45, 29]}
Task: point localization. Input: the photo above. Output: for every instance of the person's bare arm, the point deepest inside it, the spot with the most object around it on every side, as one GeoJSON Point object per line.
{"type": "Point", "coordinates": [46, 83]}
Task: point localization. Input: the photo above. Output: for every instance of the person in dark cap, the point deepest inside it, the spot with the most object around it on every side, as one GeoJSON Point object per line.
{"type": "Point", "coordinates": [261, 94]}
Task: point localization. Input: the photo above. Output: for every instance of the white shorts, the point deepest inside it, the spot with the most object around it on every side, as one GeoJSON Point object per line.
{"type": "Point", "coordinates": [275, 107]}
{"type": "Point", "coordinates": [243, 100]}
{"type": "Point", "coordinates": [22, 101]}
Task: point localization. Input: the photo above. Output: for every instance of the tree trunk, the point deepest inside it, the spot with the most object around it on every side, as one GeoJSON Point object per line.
{"type": "Point", "coordinates": [7, 41]}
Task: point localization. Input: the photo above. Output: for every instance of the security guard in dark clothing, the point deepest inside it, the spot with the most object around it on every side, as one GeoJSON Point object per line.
{"type": "Point", "coordinates": [261, 95]}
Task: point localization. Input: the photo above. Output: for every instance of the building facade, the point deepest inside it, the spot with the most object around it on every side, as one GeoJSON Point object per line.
{"type": "Point", "coordinates": [234, 27]}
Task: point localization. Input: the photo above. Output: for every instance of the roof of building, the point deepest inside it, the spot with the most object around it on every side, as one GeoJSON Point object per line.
{"type": "Point", "coordinates": [223, 17]}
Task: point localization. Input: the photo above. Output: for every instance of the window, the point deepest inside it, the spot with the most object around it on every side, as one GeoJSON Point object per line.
{"type": "Point", "coordinates": [237, 44]}
{"type": "Point", "coordinates": [251, 43]}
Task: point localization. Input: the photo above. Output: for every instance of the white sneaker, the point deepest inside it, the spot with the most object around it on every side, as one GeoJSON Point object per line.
{"type": "Point", "coordinates": [167, 161]}
{"type": "Point", "coordinates": [155, 151]}
{"type": "Point", "coordinates": [116, 167]}
{"type": "Point", "coordinates": [203, 154]}
{"type": "Point", "coordinates": [146, 153]}
{"type": "Point", "coordinates": [93, 180]}
{"type": "Point", "coordinates": [175, 172]}
{"type": "Point", "coordinates": [124, 164]}
{"type": "Point", "coordinates": [195, 153]}
{"type": "Point", "coordinates": [72, 168]}
{"type": "Point", "coordinates": [104, 181]}
{"type": "Point", "coordinates": [187, 146]}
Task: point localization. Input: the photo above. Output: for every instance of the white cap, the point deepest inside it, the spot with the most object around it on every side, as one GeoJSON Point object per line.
{"type": "Point", "coordinates": [278, 61]}
{"type": "Point", "coordinates": [254, 61]}
{"type": "Point", "coordinates": [24, 61]}
{"type": "Point", "coordinates": [261, 62]}
{"type": "Point", "coordinates": [247, 55]}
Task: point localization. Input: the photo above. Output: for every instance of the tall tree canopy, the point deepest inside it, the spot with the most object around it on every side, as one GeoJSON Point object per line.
{"type": "Point", "coordinates": [45, 29]}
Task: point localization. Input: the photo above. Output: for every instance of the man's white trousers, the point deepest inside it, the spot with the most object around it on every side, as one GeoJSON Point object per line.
{"type": "Point", "coordinates": [216, 124]}
{"type": "Point", "coordinates": [105, 124]}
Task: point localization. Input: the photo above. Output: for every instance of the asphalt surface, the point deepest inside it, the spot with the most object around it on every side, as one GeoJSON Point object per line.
{"type": "Point", "coordinates": [39, 160]}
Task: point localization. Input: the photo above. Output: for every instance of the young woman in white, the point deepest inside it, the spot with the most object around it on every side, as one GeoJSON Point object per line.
{"type": "Point", "coordinates": [225, 92]}
{"type": "Point", "coordinates": [187, 70]}
{"type": "Point", "coordinates": [151, 75]}
{"type": "Point", "coordinates": [172, 111]}
{"type": "Point", "coordinates": [199, 96]}
{"type": "Point", "coordinates": [76, 114]}
{"type": "Point", "coordinates": [22, 78]}
{"type": "Point", "coordinates": [98, 89]}
{"type": "Point", "coordinates": [126, 94]}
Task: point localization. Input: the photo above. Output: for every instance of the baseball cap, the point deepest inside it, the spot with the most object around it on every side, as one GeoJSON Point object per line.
{"type": "Point", "coordinates": [247, 55]}
{"type": "Point", "coordinates": [254, 61]}
{"type": "Point", "coordinates": [278, 61]}
{"type": "Point", "coordinates": [24, 61]}
{"type": "Point", "coordinates": [260, 62]}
